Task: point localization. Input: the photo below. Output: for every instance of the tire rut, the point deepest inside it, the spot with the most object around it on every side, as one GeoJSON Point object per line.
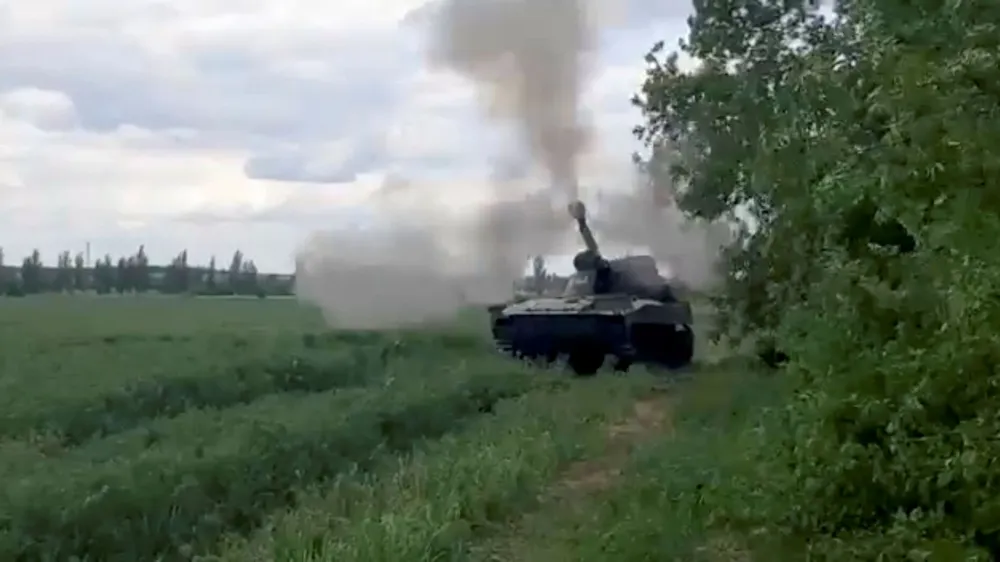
{"type": "Point", "coordinates": [530, 538]}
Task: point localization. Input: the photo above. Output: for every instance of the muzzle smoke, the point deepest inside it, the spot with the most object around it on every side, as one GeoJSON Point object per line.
{"type": "Point", "coordinates": [528, 61]}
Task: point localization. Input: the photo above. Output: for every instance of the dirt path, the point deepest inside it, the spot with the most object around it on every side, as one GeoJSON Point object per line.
{"type": "Point", "coordinates": [535, 536]}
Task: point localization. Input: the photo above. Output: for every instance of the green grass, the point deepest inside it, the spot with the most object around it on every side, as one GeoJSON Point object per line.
{"type": "Point", "coordinates": [433, 504]}
{"type": "Point", "coordinates": [661, 507]}
{"type": "Point", "coordinates": [83, 366]}
{"type": "Point", "coordinates": [75, 396]}
{"type": "Point", "coordinates": [664, 507]}
{"type": "Point", "coordinates": [176, 484]}
{"type": "Point", "coordinates": [137, 428]}
{"type": "Point", "coordinates": [84, 379]}
{"type": "Point", "coordinates": [60, 318]}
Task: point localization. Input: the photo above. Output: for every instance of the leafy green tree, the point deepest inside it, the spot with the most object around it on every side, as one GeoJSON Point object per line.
{"type": "Point", "coordinates": [104, 276]}
{"type": "Point", "coordinates": [63, 280]}
{"type": "Point", "coordinates": [248, 281]}
{"type": "Point", "coordinates": [98, 280]}
{"type": "Point", "coordinates": [122, 276]}
{"type": "Point", "coordinates": [140, 266]}
{"type": "Point", "coordinates": [539, 274]}
{"type": "Point", "coordinates": [31, 273]}
{"type": "Point", "coordinates": [80, 281]}
{"type": "Point", "coordinates": [235, 269]}
{"type": "Point", "coordinates": [131, 273]}
{"type": "Point", "coordinates": [210, 281]}
{"type": "Point", "coordinates": [177, 278]}
{"type": "Point", "coordinates": [9, 282]}
{"type": "Point", "coordinates": [864, 147]}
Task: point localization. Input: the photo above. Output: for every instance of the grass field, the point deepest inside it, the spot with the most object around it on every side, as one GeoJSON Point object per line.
{"type": "Point", "coordinates": [178, 429]}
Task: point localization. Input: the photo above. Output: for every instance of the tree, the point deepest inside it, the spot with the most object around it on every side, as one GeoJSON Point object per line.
{"type": "Point", "coordinates": [539, 274]}
{"type": "Point", "coordinates": [122, 276]}
{"type": "Point", "coordinates": [131, 273]}
{"type": "Point", "coordinates": [141, 281]}
{"type": "Point", "coordinates": [31, 273]}
{"type": "Point", "coordinates": [864, 147]}
{"type": "Point", "coordinates": [9, 282]}
{"type": "Point", "coordinates": [235, 268]}
{"type": "Point", "coordinates": [248, 283]}
{"type": "Point", "coordinates": [104, 275]}
{"type": "Point", "coordinates": [64, 273]}
{"type": "Point", "coordinates": [177, 278]}
{"type": "Point", "coordinates": [80, 273]}
{"type": "Point", "coordinates": [210, 282]}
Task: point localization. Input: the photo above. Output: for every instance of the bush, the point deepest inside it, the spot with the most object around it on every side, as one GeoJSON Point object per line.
{"type": "Point", "coordinates": [866, 149]}
{"type": "Point", "coordinates": [14, 289]}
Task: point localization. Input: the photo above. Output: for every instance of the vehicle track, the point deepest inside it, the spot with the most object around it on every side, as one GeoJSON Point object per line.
{"type": "Point", "coordinates": [535, 537]}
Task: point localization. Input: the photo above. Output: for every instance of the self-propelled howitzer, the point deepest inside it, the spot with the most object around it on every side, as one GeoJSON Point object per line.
{"type": "Point", "coordinates": [621, 307]}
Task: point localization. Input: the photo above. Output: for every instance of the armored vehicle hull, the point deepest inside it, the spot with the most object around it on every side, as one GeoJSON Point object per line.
{"type": "Point", "coordinates": [587, 329]}
{"type": "Point", "coordinates": [621, 307]}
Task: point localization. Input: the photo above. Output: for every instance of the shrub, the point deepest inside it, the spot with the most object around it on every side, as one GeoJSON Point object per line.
{"type": "Point", "coordinates": [865, 145]}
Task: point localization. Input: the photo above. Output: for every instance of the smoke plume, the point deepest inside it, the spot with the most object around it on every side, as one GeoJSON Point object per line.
{"type": "Point", "coordinates": [648, 218]}
{"type": "Point", "coordinates": [526, 59]}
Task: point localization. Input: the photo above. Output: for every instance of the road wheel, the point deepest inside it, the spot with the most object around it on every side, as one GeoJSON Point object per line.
{"type": "Point", "coordinates": [622, 365]}
{"type": "Point", "coordinates": [585, 362]}
{"type": "Point", "coordinates": [680, 348]}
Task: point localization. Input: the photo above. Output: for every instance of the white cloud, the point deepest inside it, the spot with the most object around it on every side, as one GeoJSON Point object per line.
{"type": "Point", "coordinates": [43, 109]}
{"type": "Point", "coordinates": [181, 123]}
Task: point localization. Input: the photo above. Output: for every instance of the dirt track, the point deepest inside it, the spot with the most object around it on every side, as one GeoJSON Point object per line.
{"type": "Point", "coordinates": [528, 539]}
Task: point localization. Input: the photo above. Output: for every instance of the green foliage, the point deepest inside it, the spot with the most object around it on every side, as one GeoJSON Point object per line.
{"type": "Point", "coordinates": [865, 147]}
{"type": "Point", "coordinates": [14, 289]}
{"type": "Point", "coordinates": [134, 274]}
{"type": "Point", "coordinates": [31, 273]}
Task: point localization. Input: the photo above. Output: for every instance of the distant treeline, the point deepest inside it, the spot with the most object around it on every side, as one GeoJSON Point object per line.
{"type": "Point", "coordinates": [134, 274]}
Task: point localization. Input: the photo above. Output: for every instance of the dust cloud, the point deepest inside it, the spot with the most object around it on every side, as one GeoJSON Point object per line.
{"type": "Point", "coordinates": [428, 266]}
{"type": "Point", "coordinates": [528, 62]}
{"type": "Point", "coordinates": [648, 218]}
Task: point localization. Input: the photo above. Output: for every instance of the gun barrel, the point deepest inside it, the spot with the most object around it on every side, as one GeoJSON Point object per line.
{"type": "Point", "coordinates": [579, 212]}
{"type": "Point", "coordinates": [588, 236]}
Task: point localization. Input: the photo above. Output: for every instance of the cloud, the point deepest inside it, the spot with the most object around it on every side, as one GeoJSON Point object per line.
{"type": "Point", "coordinates": [43, 109]}
{"type": "Point", "coordinates": [199, 123]}
{"type": "Point", "coordinates": [336, 162]}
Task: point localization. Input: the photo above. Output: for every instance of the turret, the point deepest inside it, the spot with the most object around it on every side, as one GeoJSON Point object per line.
{"type": "Point", "coordinates": [637, 275]}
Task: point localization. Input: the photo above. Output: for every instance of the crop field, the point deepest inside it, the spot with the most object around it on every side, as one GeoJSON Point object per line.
{"type": "Point", "coordinates": [182, 428]}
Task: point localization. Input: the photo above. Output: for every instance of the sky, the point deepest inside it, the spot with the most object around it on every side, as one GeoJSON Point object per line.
{"type": "Point", "coordinates": [213, 125]}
